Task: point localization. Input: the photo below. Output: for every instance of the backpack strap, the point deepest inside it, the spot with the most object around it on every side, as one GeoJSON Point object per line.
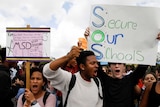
{"type": "Point", "coordinates": [97, 83]}
{"type": "Point", "coordinates": [71, 85]}
{"type": "Point", "coordinates": [23, 99]}
{"type": "Point", "coordinates": [44, 98]}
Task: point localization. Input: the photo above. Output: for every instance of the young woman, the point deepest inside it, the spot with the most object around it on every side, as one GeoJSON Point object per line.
{"type": "Point", "coordinates": [151, 95]}
{"type": "Point", "coordinates": [34, 97]}
{"type": "Point", "coordinates": [147, 79]}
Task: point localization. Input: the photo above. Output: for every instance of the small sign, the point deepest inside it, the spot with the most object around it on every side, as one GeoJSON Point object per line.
{"type": "Point", "coordinates": [28, 44]}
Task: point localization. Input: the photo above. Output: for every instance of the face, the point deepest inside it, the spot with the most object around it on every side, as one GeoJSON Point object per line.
{"type": "Point", "coordinates": [89, 70]}
{"type": "Point", "coordinates": [117, 70]}
{"type": "Point", "coordinates": [36, 82]}
{"type": "Point", "coordinates": [149, 78]}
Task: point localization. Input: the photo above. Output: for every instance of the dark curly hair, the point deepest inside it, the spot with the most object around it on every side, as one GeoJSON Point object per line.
{"type": "Point", "coordinates": [82, 57]}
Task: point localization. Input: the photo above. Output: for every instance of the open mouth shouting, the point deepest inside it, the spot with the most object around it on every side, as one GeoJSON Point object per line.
{"type": "Point", "coordinates": [117, 70]}
{"type": "Point", "coordinates": [95, 73]}
{"type": "Point", "coordinates": [35, 88]}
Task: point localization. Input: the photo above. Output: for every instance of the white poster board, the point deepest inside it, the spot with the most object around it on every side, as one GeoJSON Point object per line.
{"type": "Point", "coordinates": [124, 34]}
{"type": "Point", "coordinates": [28, 44]}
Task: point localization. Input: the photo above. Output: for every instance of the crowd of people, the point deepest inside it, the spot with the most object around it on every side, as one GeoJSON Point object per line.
{"type": "Point", "coordinates": [77, 79]}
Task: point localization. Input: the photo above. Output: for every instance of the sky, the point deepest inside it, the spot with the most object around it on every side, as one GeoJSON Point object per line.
{"type": "Point", "coordinates": [67, 19]}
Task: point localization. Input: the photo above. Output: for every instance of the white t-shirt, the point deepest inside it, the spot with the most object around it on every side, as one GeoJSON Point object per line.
{"type": "Point", "coordinates": [83, 94]}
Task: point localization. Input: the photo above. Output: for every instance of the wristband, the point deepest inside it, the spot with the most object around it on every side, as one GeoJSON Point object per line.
{"type": "Point", "coordinates": [34, 102]}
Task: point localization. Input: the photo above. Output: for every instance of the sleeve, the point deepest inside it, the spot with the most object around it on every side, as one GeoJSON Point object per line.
{"type": "Point", "coordinates": [20, 91]}
{"type": "Point", "coordinates": [59, 79]}
{"type": "Point", "coordinates": [139, 72]}
{"type": "Point", "coordinates": [145, 95]}
{"type": "Point", "coordinates": [102, 76]}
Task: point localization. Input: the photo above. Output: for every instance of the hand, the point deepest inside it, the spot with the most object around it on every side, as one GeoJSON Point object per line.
{"type": "Point", "coordinates": [29, 95]}
{"type": "Point", "coordinates": [158, 37]}
{"type": "Point", "coordinates": [87, 32]}
{"type": "Point", "coordinates": [20, 82]}
{"type": "Point", "coordinates": [26, 104]}
{"type": "Point", "coordinates": [75, 51]}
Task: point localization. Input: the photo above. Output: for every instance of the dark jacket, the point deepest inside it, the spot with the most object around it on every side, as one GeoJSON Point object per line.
{"type": "Point", "coordinates": [7, 91]}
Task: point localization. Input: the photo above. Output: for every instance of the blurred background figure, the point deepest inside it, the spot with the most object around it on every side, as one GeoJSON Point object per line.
{"type": "Point", "coordinates": [8, 90]}
{"type": "Point", "coordinates": [157, 72]}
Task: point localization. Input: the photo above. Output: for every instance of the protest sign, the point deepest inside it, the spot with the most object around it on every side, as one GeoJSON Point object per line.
{"type": "Point", "coordinates": [124, 34]}
{"type": "Point", "coordinates": [28, 44]}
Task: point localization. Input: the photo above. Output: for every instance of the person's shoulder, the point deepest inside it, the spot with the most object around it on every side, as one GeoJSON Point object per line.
{"type": "Point", "coordinates": [158, 86]}
{"type": "Point", "coordinates": [52, 95]}
{"type": "Point", "coordinates": [21, 98]}
{"type": "Point", "coordinates": [4, 74]}
{"type": "Point", "coordinates": [49, 95]}
{"type": "Point", "coordinates": [158, 83]}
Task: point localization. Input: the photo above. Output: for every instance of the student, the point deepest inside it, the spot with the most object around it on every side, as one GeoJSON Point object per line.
{"type": "Point", "coordinates": [35, 95]}
{"type": "Point", "coordinates": [118, 90]}
{"type": "Point", "coordinates": [149, 77]}
{"type": "Point", "coordinates": [85, 91]}
{"type": "Point", "coordinates": [151, 95]}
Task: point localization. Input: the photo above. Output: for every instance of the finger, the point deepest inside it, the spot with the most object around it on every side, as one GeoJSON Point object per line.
{"type": "Point", "coordinates": [26, 90]}
{"type": "Point", "coordinates": [26, 95]}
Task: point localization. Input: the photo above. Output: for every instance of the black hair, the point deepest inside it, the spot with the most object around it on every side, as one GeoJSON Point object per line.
{"type": "Point", "coordinates": [150, 73]}
{"type": "Point", "coordinates": [36, 69]}
{"type": "Point", "coordinates": [82, 57]}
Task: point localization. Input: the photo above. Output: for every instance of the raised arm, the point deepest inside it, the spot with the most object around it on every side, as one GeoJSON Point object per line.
{"type": "Point", "coordinates": [145, 95]}
{"type": "Point", "coordinates": [60, 62]}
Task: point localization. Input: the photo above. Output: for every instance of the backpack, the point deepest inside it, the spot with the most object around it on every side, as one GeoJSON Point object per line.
{"type": "Point", "coordinates": [72, 83]}
{"type": "Point", "coordinates": [44, 98]}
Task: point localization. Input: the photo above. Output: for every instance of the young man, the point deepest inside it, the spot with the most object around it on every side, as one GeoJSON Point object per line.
{"type": "Point", "coordinates": [119, 89]}
{"type": "Point", "coordinates": [85, 91]}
